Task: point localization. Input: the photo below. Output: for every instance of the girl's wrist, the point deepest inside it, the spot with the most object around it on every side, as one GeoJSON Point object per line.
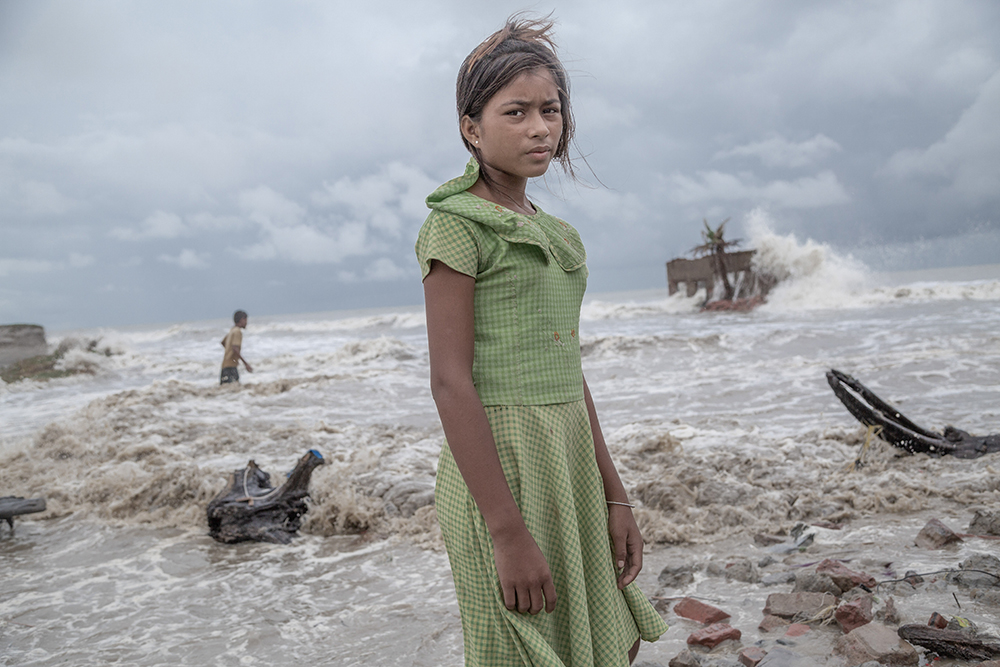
{"type": "Point", "coordinates": [620, 504]}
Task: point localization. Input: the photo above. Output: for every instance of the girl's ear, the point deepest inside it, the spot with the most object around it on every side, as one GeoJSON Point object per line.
{"type": "Point", "coordinates": [470, 129]}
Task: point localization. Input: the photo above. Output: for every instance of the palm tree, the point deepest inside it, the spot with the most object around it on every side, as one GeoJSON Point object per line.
{"type": "Point", "coordinates": [715, 245]}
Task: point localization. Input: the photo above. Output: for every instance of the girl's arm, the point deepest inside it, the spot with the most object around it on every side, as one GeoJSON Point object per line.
{"type": "Point", "coordinates": [621, 524]}
{"type": "Point", "coordinates": [524, 574]}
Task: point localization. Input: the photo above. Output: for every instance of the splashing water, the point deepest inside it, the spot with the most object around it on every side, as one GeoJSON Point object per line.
{"type": "Point", "coordinates": [811, 275]}
{"type": "Point", "coordinates": [721, 424]}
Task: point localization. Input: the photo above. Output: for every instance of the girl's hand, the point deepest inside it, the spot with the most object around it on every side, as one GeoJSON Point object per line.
{"type": "Point", "coordinates": [627, 543]}
{"type": "Point", "coordinates": [524, 574]}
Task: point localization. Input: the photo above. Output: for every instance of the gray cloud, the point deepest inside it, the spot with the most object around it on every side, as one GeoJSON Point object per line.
{"type": "Point", "coordinates": [966, 161]}
{"type": "Point", "coordinates": [188, 259]}
{"type": "Point", "coordinates": [777, 151]}
{"type": "Point", "coordinates": [159, 161]}
{"type": "Point", "coordinates": [817, 191]}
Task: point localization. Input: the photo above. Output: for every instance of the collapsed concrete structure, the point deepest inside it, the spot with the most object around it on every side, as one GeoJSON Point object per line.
{"type": "Point", "coordinates": [700, 273]}
{"type": "Point", "coordinates": [21, 341]}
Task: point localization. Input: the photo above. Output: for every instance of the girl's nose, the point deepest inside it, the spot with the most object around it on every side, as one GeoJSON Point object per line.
{"type": "Point", "coordinates": [538, 126]}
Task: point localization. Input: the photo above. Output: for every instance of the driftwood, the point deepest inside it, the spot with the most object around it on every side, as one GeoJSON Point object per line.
{"type": "Point", "coordinates": [949, 643]}
{"type": "Point", "coordinates": [251, 509]}
{"type": "Point", "coordinates": [12, 506]}
{"type": "Point", "coordinates": [899, 431]}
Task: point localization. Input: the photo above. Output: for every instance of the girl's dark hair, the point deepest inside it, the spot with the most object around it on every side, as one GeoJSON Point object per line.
{"type": "Point", "coordinates": [523, 44]}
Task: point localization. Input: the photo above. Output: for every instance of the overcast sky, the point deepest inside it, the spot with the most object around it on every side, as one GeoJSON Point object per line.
{"type": "Point", "coordinates": [171, 161]}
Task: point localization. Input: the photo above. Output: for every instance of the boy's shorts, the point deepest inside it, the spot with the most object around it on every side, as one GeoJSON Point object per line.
{"type": "Point", "coordinates": [231, 374]}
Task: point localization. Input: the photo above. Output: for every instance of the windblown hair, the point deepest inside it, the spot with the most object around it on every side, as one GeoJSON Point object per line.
{"type": "Point", "coordinates": [523, 44]}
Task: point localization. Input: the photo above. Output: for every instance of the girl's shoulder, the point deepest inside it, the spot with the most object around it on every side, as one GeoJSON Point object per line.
{"type": "Point", "coordinates": [450, 238]}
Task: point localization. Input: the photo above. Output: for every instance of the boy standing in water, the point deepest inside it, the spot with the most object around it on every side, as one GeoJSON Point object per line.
{"type": "Point", "coordinates": [232, 343]}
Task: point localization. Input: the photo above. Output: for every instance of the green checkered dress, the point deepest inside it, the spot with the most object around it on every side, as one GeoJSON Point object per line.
{"type": "Point", "coordinates": [530, 278]}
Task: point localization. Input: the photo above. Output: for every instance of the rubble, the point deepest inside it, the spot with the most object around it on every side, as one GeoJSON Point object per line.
{"type": "Point", "coordinates": [807, 581]}
{"type": "Point", "coordinates": [751, 656]}
{"type": "Point", "coordinates": [699, 611]}
{"type": "Point", "coordinates": [979, 571]}
{"type": "Point", "coordinates": [936, 535]}
{"type": "Point", "coordinates": [783, 657]}
{"type": "Point", "coordinates": [854, 614]}
{"type": "Point", "coordinates": [798, 606]}
{"type": "Point", "coordinates": [843, 577]}
{"type": "Point", "coordinates": [838, 614]}
{"type": "Point", "coordinates": [985, 522]}
{"type": "Point", "coordinates": [713, 635]}
{"type": "Point", "coordinates": [772, 623]}
{"type": "Point", "coordinates": [875, 641]}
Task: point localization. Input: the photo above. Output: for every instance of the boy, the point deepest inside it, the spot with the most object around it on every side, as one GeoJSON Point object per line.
{"type": "Point", "coordinates": [232, 343]}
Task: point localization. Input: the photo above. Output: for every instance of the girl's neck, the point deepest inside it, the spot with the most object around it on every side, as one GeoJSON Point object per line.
{"type": "Point", "coordinates": [508, 195]}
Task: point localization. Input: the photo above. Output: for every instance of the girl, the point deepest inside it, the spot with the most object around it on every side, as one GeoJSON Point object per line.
{"type": "Point", "coordinates": [527, 494]}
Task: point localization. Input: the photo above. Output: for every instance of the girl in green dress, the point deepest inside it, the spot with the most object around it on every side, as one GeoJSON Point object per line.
{"type": "Point", "coordinates": [533, 513]}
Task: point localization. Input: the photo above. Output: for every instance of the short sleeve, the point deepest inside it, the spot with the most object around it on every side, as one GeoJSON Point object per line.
{"type": "Point", "coordinates": [450, 239]}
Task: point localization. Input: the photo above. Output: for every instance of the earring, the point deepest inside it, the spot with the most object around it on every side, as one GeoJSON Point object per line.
{"type": "Point", "coordinates": [477, 142]}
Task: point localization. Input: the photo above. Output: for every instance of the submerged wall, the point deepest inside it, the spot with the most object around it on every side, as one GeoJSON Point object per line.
{"type": "Point", "coordinates": [697, 273]}
{"type": "Point", "coordinates": [21, 341]}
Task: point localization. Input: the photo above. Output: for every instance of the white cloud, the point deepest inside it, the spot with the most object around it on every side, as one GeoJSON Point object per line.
{"type": "Point", "coordinates": [210, 222]}
{"type": "Point", "coordinates": [383, 269]}
{"type": "Point", "coordinates": [383, 201]}
{"type": "Point", "coordinates": [807, 192]}
{"type": "Point", "coordinates": [600, 112]}
{"type": "Point", "coordinates": [354, 217]}
{"type": "Point", "coordinates": [164, 225]}
{"type": "Point", "coordinates": [10, 266]}
{"type": "Point", "coordinates": [188, 259]}
{"type": "Point", "coordinates": [36, 199]}
{"type": "Point", "coordinates": [149, 127]}
{"type": "Point", "coordinates": [159, 225]}
{"type": "Point", "coordinates": [79, 261]}
{"type": "Point", "coordinates": [968, 156]}
{"type": "Point", "coordinates": [777, 151]}
{"type": "Point", "coordinates": [287, 234]}
{"type": "Point", "coordinates": [269, 208]}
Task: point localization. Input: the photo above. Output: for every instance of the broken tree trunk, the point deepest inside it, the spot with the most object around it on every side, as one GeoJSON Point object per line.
{"type": "Point", "coordinates": [12, 506]}
{"type": "Point", "coordinates": [949, 643]}
{"type": "Point", "coordinates": [251, 509]}
{"type": "Point", "coordinates": [899, 431]}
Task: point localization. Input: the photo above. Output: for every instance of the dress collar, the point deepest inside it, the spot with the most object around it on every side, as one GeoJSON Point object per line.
{"type": "Point", "coordinates": [558, 239]}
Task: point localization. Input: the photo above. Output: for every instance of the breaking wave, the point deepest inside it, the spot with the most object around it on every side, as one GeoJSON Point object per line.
{"type": "Point", "coordinates": [677, 303]}
{"type": "Point", "coordinates": [814, 276]}
{"type": "Point", "coordinates": [157, 455]}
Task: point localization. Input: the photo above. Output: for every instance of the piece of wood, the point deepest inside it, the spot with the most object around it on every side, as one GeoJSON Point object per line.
{"type": "Point", "coordinates": [250, 509]}
{"type": "Point", "coordinates": [899, 431]}
{"type": "Point", "coordinates": [12, 506]}
{"type": "Point", "coordinates": [949, 643]}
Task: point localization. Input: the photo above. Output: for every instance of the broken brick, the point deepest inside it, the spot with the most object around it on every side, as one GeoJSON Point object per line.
{"type": "Point", "coordinates": [699, 611]}
{"type": "Point", "coordinates": [713, 635]}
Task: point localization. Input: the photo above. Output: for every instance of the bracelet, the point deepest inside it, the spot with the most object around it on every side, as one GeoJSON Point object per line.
{"type": "Point", "coordinates": [613, 502]}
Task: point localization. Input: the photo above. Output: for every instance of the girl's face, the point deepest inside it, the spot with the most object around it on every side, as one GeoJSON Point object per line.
{"type": "Point", "coordinates": [520, 127]}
